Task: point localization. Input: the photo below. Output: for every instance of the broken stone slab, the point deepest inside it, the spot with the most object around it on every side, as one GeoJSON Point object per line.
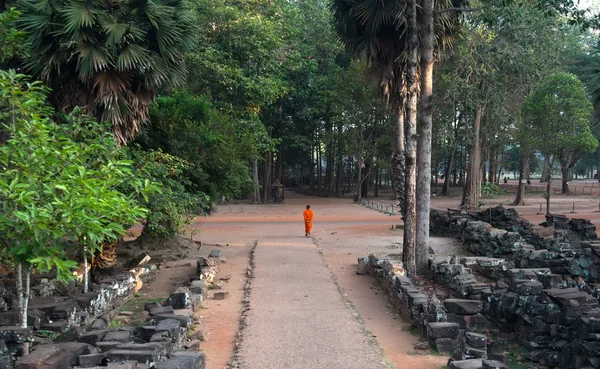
{"type": "Point", "coordinates": [470, 352]}
{"type": "Point", "coordinates": [141, 260]}
{"type": "Point", "coordinates": [185, 321]}
{"type": "Point", "coordinates": [475, 322]}
{"type": "Point", "coordinates": [15, 334]}
{"type": "Point", "coordinates": [70, 335]}
{"type": "Point", "coordinates": [163, 349]}
{"type": "Point", "coordinates": [476, 340]}
{"type": "Point", "coordinates": [215, 254]}
{"type": "Point", "coordinates": [183, 359]}
{"type": "Point", "coordinates": [362, 266]}
{"type": "Point", "coordinates": [91, 360]}
{"type": "Point", "coordinates": [161, 310]}
{"type": "Point", "coordinates": [161, 337]}
{"type": "Point", "coordinates": [446, 345]}
{"type": "Point", "coordinates": [530, 288]}
{"type": "Point", "coordinates": [148, 306]}
{"type": "Point", "coordinates": [193, 345]}
{"type": "Point", "coordinates": [570, 297]}
{"type": "Point", "coordinates": [118, 336]}
{"type": "Point", "coordinates": [466, 364]}
{"type": "Point", "coordinates": [106, 346]}
{"type": "Point", "coordinates": [145, 332]}
{"type": "Point", "coordinates": [92, 337]}
{"type": "Point", "coordinates": [98, 324]}
{"type": "Point", "coordinates": [493, 364]}
{"type": "Point", "coordinates": [172, 326]}
{"type": "Point", "coordinates": [199, 286]}
{"type": "Point", "coordinates": [442, 330]}
{"type": "Point", "coordinates": [54, 356]}
{"type": "Point", "coordinates": [221, 295]}
{"type": "Point", "coordinates": [34, 318]}
{"type": "Point", "coordinates": [182, 298]}
{"type": "Point", "coordinates": [463, 307]}
{"type": "Point", "coordinates": [142, 357]}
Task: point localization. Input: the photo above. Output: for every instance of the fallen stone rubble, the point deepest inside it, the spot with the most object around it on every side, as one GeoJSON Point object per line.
{"type": "Point", "coordinates": [81, 322]}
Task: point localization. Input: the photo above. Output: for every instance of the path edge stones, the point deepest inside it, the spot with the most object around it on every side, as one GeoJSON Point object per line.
{"type": "Point", "coordinates": [235, 362]}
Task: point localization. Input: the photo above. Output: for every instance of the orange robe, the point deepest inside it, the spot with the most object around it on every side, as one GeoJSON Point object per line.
{"type": "Point", "coordinates": [308, 218]}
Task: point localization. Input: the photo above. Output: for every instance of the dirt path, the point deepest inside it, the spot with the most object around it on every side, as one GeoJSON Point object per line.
{"type": "Point", "coordinates": [344, 232]}
{"type": "Point", "coordinates": [297, 318]}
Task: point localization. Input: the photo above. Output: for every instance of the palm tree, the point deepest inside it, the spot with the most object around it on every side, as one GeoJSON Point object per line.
{"type": "Point", "coordinates": [385, 33]}
{"type": "Point", "coordinates": [108, 56]}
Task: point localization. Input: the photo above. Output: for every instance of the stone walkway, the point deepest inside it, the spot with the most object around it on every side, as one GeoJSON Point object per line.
{"type": "Point", "coordinates": [298, 318]}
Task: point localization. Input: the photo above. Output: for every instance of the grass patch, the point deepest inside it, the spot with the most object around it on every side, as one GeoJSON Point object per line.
{"type": "Point", "coordinates": [136, 304]}
{"type": "Point", "coordinates": [516, 355]}
{"type": "Point", "coordinates": [48, 334]}
{"type": "Point", "coordinates": [430, 352]}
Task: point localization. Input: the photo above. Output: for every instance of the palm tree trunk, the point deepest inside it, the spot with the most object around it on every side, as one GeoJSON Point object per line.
{"type": "Point", "coordinates": [425, 132]}
{"type": "Point", "coordinates": [410, 217]}
{"type": "Point", "coordinates": [399, 161]}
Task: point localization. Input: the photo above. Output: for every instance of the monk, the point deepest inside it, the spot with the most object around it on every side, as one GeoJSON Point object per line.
{"type": "Point", "coordinates": [308, 218]}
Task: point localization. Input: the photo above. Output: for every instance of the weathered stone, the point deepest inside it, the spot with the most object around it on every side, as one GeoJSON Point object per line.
{"type": "Point", "coordinates": [466, 364]}
{"type": "Point", "coordinates": [70, 335]}
{"type": "Point", "coordinates": [105, 346]}
{"type": "Point", "coordinates": [475, 322]}
{"type": "Point", "coordinates": [169, 325]}
{"type": "Point", "coordinates": [570, 297]}
{"type": "Point", "coordinates": [183, 359]}
{"type": "Point", "coordinates": [92, 337]}
{"type": "Point", "coordinates": [141, 260]}
{"type": "Point", "coordinates": [98, 324]}
{"type": "Point", "coordinates": [161, 337]}
{"type": "Point", "coordinates": [475, 339]}
{"type": "Point", "coordinates": [530, 288]}
{"type": "Point", "coordinates": [551, 359]}
{"type": "Point", "coordinates": [5, 362]}
{"type": "Point", "coordinates": [192, 345]}
{"type": "Point", "coordinates": [536, 355]}
{"type": "Point", "coordinates": [445, 345]}
{"type": "Point", "coordinates": [118, 336]}
{"type": "Point", "coordinates": [362, 266]}
{"type": "Point", "coordinates": [148, 306]}
{"type": "Point", "coordinates": [497, 347]}
{"type": "Point", "coordinates": [90, 360]}
{"type": "Point", "coordinates": [15, 334]}
{"type": "Point", "coordinates": [162, 349]}
{"type": "Point", "coordinates": [442, 330]}
{"type": "Point", "coordinates": [493, 364]}
{"type": "Point", "coordinates": [463, 307]}
{"type": "Point", "coordinates": [54, 356]}
{"type": "Point", "coordinates": [215, 254]}
{"type": "Point", "coordinates": [180, 300]}
{"type": "Point", "coordinates": [142, 357]}
{"type": "Point", "coordinates": [34, 318]}
{"type": "Point", "coordinates": [185, 321]}
{"type": "Point", "coordinates": [199, 286]}
{"type": "Point", "coordinates": [221, 295]}
{"type": "Point", "coordinates": [162, 310]}
{"type": "Point", "coordinates": [474, 353]}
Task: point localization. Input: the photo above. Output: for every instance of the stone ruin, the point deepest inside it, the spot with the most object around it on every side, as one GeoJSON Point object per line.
{"type": "Point", "coordinates": [542, 289]}
{"type": "Point", "coordinates": [83, 334]}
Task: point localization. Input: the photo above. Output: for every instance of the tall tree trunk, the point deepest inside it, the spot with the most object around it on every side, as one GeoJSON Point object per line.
{"type": "Point", "coordinates": [546, 169]}
{"type": "Point", "coordinates": [359, 185]}
{"type": "Point", "coordinates": [267, 179]}
{"type": "Point", "coordinates": [256, 197]}
{"type": "Point", "coordinates": [549, 187]}
{"type": "Point", "coordinates": [410, 217]}
{"type": "Point", "coordinates": [367, 178]}
{"type": "Point", "coordinates": [377, 179]}
{"type": "Point", "coordinates": [338, 176]}
{"type": "Point", "coordinates": [565, 180]}
{"type": "Point", "coordinates": [399, 161]}
{"type": "Point", "coordinates": [523, 164]}
{"type": "Point", "coordinates": [472, 187]}
{"type": "Point", "coordinates": [493, 162]}
{"type": "Point", "coordinates": [449, 169]}
{"type": "Point", "coordinates": [423, 197]}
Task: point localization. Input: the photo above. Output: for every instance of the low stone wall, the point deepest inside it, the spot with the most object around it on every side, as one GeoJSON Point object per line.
{"type": "Point", "coordinates": [82, 320]}
{"type": "Point", "coordinates": [449, 326]}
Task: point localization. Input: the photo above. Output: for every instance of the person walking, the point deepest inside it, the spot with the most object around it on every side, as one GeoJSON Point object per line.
{"type": "Point", "coordinates": [308, 218]}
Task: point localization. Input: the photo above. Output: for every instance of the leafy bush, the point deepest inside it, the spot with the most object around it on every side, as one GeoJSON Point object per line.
{"type": "Point", "coordinates": [175, 205]}
{"type": "Point", "coordinates": [490, 190]}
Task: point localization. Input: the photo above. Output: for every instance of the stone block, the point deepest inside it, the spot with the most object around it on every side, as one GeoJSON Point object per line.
{"type": "Point", "coordinates": [106, 346]}
{"type": "Point", "coordinates": [180, 300]}
{"type": "Point", "coordinates": [54, 356]}
{"type": "Point", "coordinates": [162, 349]}
{"type": "Point", "coordinates": [463, 307]}
{"type": "Point", "coordinates": [493, 364]}
{"type": "Point", "coordinates": [446, 345]}
{"type": "Point", "coordinates": [185, 321]}
{"type": "Point", "coordinates": [551, 359]}
{"type": "Point", "coordinates": [221, 295]}
{"type": "Point", "coordinates": [70, 335]}
{"type": "Point", "coordinates": [530, 288]}
{"type": "Point", "coordinates": [118, 336]}
{"type": "Point", "coordinates": [475, 322]}
{"type": "Point", "coordinates": [92, 337]}
{"type": "Point", "coordinates": [34, 318]}
{"type": "Point", "coordinates": [215, 254]}
{"type": "Point", "coordinates": [15, 334]}
{"type": "Point", "coordinates": [91, 360]}
{"type": "Point", "coordinates": [470, 352]}
{"type": "Point", "coordinates": [142, 357]}
{"type": "Point", "coordinates": [161, 310]}
{"type": "Point", "coordinates": [145, 332]}
{"type": "Point", "coordinates": [570, 297]}
{"type": "Point", "coordinates": [466, 364]}
{"type": "Point", "coordinates": [193, 345]}
{"type": "Point", "coordinates": [98, 324]}
{"type": "Point", "coordinates": [172, 326]}
{"type": "Point", "coordinates": [476, 340]}
{"type": "Point", "coordinates": [183, 359]}
{"type": "Point", "coordinates": [497, 347]}
{"type": "Point", "coordinates": [442, 330]}
{"type": "Point", "coordinates": [362, 266]}
{"type": "Point", "coordinates": [5, 362]}
{"type": "Point", "coordinates": [161, 337]}
{"type": "Point", "coordinates": [199, 286]}
{"type": "Point", "coordinates": [151, 305]}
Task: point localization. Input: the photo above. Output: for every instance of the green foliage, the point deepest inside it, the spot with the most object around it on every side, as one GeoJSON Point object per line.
{"type": "Point", "coordinates": [216, 146]}
{"type": "Point", "coordinates": [109, 57]}
{"type": "Point", "coordinates": [557, 116]}
{"type": "Point", "coordinates": [12, 41]}
{"type": "Point", "coordinates": [174, 206]}
{"type": "Point", "coordinates": [58, 182]}
{"type": "Point", "coordinates": [490, 190]}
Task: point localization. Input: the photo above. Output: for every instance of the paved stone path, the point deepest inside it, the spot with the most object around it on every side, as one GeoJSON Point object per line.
{"type": "Point", "coordinates": [298, 318]}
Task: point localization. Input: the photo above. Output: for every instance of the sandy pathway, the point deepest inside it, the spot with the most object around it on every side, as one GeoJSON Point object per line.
{"type": "Point", "coordinates": [298, 319]}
